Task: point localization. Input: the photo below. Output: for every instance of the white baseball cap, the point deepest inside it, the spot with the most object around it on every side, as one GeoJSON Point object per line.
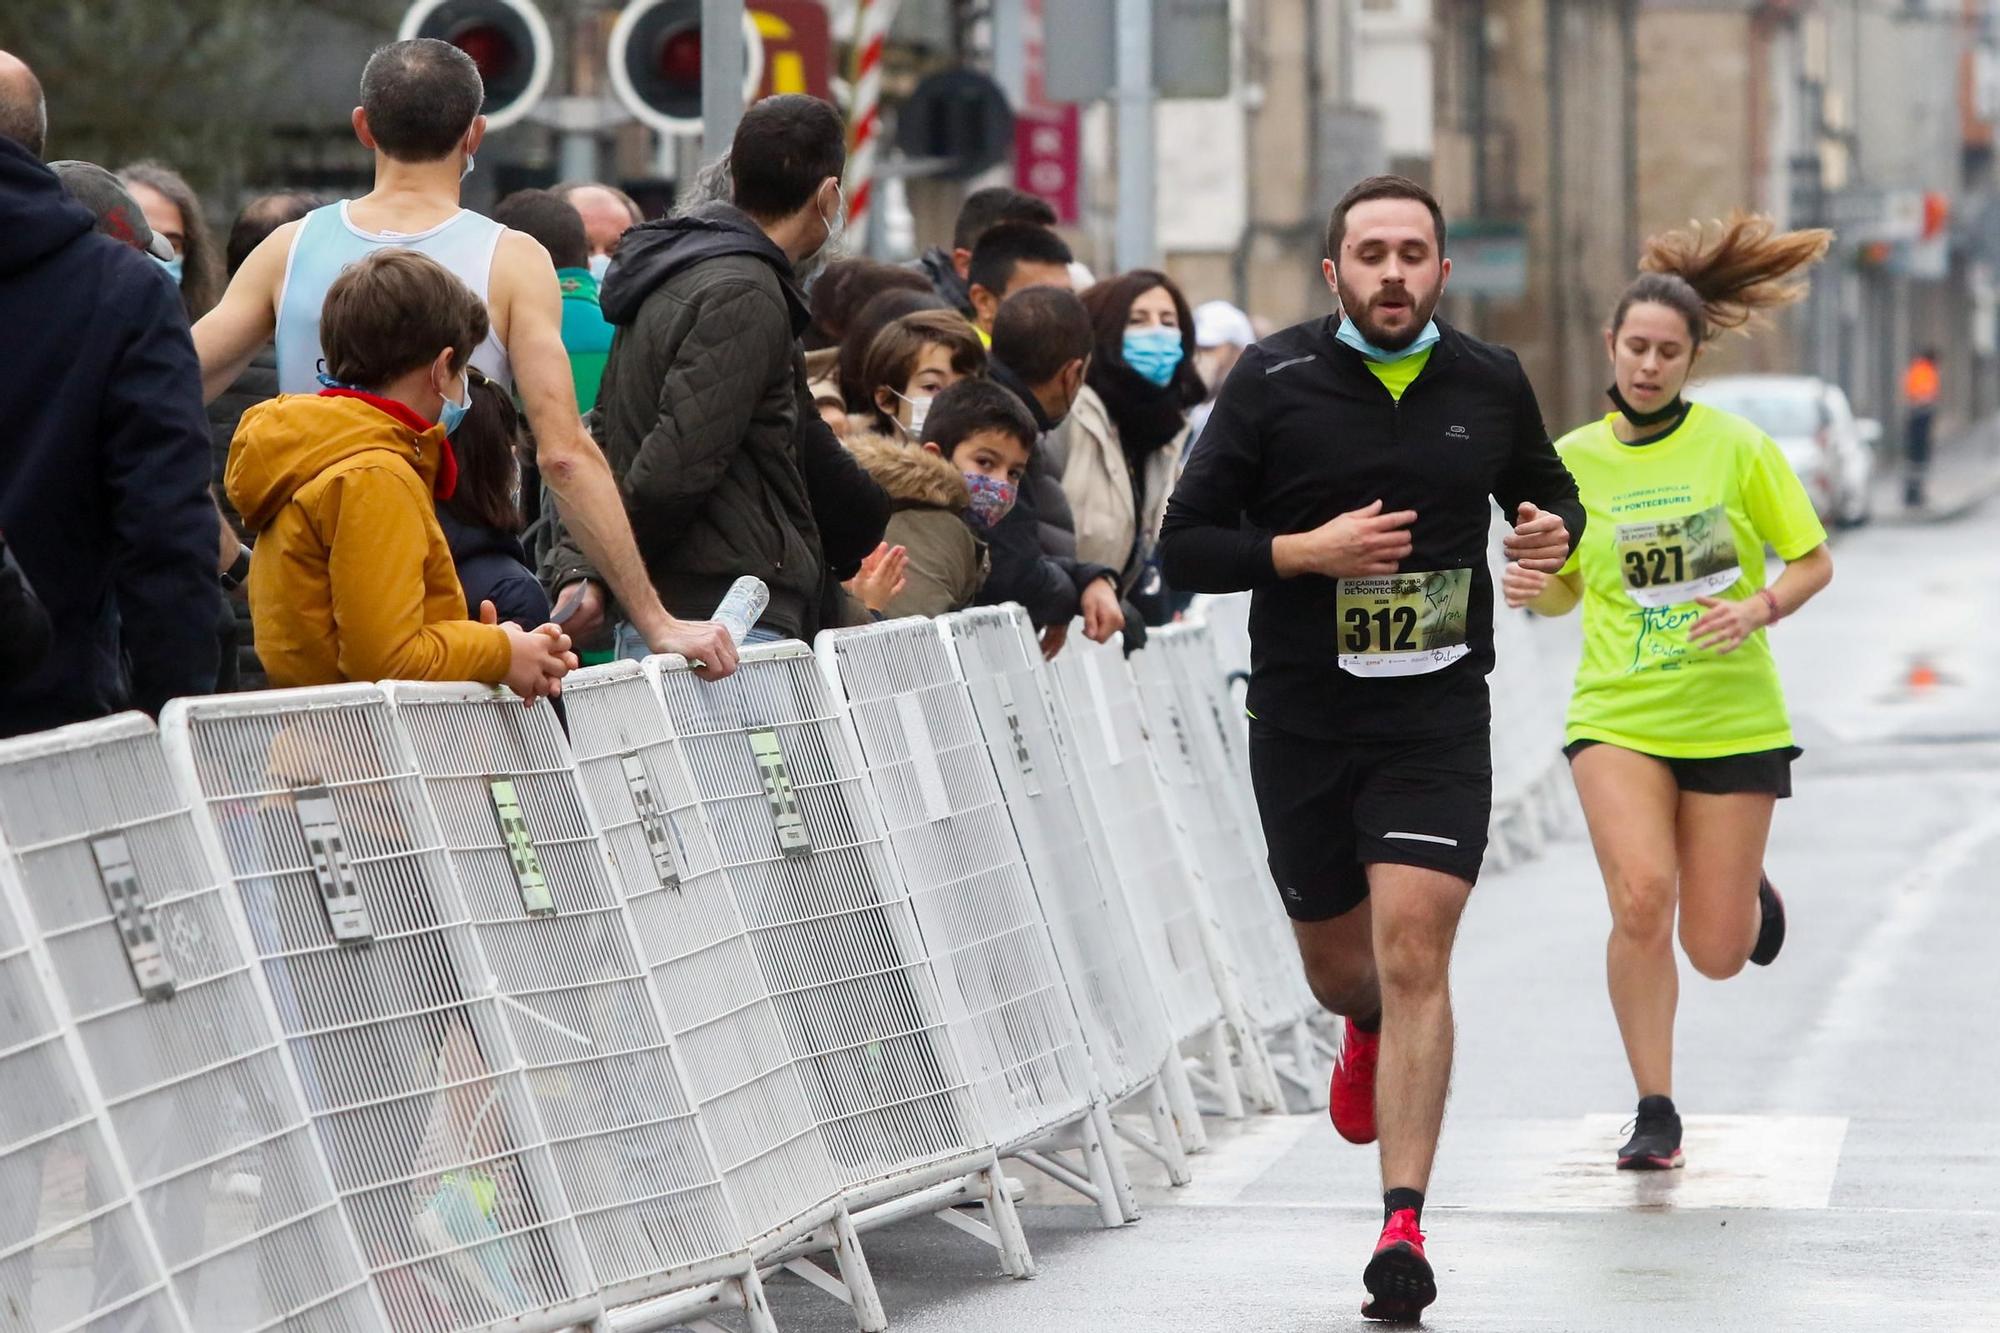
{"type": "Point", "coordinates": [1218, 324]}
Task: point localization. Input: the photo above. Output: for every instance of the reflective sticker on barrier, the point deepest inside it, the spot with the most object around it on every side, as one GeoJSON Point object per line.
{"type": "Point", "coordinates": [1017, 739]}
{"type": "Point", "coordinates": [137, 930]}
{"type": "Point", "coordinates": [1101, 707]}
{"type": "Point", "coordinates": [653, 821]}
{"type": "Point", "coordinates": [535, 896]}
{"type": "Point", "coordinates": [793, 839]}
{"type": "Point", "coordinates": [339, 889]}
{"type": "Point", "coordinates": [923, 756]}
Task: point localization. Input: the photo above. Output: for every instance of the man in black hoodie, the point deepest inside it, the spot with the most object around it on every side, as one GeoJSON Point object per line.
{"type": "Point", "coordinates": [104, 481]}
{"type": "Point", "coordinates": [700, 403]}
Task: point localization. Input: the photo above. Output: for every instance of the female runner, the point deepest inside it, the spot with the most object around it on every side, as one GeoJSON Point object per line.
{"type": "Point", "coordinates": [1677, 735]}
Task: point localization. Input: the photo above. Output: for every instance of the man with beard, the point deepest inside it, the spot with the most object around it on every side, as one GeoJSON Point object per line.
{"type": "Point", "coordinates": [1345, 476]}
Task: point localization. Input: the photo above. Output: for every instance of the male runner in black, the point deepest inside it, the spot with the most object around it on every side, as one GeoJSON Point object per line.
{"type": "Point", "coordinates": [1345, 476]}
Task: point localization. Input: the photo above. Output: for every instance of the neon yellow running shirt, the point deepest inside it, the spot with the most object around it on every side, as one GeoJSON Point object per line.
{"type": "Point", "coordinates": [1683, 517]}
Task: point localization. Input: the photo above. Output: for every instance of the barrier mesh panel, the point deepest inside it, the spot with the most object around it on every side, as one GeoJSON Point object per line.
{"type": "Point", "coordinates": [1124, 1024]}
{"type": "Point", "coordinates": [980, 922]}
{"type": "Point", "coordinates": [1179, 683]}
{"type": "Point", "coordinates": [716, 997]}
{"type": "Point", "coordinates": [641, 1182]}
{"type": "Point", "coordinates": [1095, 690]}
{"type": "Point", "coordinates": [828, 921]}
{"type": "Point", "coordinates": [72, 1252]}
{"type": "Point", "coordinates": [385, 1002]}
{"type": "Point", "coordinates": [154, 976]}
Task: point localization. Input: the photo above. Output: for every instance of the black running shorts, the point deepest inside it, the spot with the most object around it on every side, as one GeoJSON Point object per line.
{"type": "Point", "coordinates": [1330, 810]}
{"type": "Point", "coordinates": [1759, 772]}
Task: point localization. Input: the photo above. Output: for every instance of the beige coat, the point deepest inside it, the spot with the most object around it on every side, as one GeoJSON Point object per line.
{"type": "Point", "coordinates": [1088, 456]}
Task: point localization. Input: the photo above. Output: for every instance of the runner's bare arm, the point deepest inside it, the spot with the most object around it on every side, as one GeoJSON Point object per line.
{"type": "Point", "coordinates": [526, 302]}
{"type": "Point", "coordinates": [527, 307]}
{"type": "Point", "coordinates": [243, 321]}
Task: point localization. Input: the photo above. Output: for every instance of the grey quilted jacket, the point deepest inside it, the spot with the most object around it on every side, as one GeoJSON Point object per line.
{"type": "Point", "coordinates": [698, 416]}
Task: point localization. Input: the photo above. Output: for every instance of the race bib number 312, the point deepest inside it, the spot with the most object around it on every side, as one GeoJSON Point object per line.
{"type": "Point", "coordinates": [1403, 624]}
{"type": "Point", "coordinates": [1676, 560]}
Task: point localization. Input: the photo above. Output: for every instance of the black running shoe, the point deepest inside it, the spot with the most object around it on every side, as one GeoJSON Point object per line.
{"type": "Point", "coordinates": [1655, 1144]}
{"type": "Point", "coordinates": [1770, 935]}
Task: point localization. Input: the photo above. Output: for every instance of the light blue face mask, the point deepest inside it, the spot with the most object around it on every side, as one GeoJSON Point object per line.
{"type": "Point", "coordinates": [599, 266]}
{"type": "Point", "coordinates": [454, 413]}
{"type": "Point", "coordinates": [1154, 354]}
{"type": "Point", "coordinates": [174, 267]}
{"type": "Point", "coordinates": [1351, 335]}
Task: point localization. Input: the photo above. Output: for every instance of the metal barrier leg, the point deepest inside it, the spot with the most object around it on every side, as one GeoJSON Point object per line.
{"type": "Point", "coordinates": [1168, 1133]}
{"type": "Point", "coordinates": [1015, 1258]}
{"type": "Point", "coordinates": [1180, 1100]}
{"type": "Point", "coordinates": [1116, 1204]}
{"type": "Point", "coordinates": [1223, 1069]}
{"type": "Point", "coordinates": [869, 1317]}
{"type": "Point", "coordinates": [1305, 1056]}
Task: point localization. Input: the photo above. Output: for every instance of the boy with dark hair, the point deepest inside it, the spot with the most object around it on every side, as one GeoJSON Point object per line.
{"type": "Point", "coordinates": [950, 492]}
{"type": "Point", "coordinates": [981, 211]}
{"type": "Point", "coordinates": [354, 580]}
{"type": "Point", "coordinates": [1011, 258]}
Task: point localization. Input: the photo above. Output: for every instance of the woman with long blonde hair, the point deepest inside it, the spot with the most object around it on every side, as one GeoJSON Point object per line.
{"type": "Point", "coordinates": [1678, 735]}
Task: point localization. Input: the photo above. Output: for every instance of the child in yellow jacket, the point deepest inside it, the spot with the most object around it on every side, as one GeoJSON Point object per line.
{"type": "Point", "coordinates": [352, 578]}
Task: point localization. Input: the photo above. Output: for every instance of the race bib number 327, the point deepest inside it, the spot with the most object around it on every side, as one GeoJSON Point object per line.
{"type": "Point", "coordinates": [1675, 560]}
{"type": "Point", "coordinates": [1403, 624]}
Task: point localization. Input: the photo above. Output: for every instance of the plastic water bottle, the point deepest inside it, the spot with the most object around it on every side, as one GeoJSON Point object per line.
{"type": "Point", "coordinates": [740, 607]}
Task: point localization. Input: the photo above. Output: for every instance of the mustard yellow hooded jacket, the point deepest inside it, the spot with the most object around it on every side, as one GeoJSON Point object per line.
{"type": "Point", "coordinates": [352, 579]}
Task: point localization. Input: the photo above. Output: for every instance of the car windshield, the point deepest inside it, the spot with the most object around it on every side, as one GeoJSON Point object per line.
{"type": "Point", "coordinates": [1776, 412]}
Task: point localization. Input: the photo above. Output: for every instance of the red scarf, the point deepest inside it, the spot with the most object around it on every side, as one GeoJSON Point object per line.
{"type": "Point", "coordinates": [447, 476]}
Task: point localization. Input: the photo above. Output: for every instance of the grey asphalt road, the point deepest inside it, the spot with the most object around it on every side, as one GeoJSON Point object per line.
{"type": "Point", "coordinates": [1844, 1106]}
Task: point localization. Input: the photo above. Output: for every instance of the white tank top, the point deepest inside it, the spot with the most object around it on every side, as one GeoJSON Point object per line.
{"type": "Point", "coordinates": [328, 241]}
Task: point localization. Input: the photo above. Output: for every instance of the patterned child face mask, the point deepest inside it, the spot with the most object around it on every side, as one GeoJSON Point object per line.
{"type": "Point", "coordinates": [991, 498]}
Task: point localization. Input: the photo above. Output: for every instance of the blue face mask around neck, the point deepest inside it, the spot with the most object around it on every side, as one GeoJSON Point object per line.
{"type": "Point", "coordinates": [1154, 354]}
{"type": "Point", "coordinates": [1351, 335]}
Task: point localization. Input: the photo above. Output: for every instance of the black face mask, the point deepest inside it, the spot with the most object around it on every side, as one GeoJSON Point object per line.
{"type": "Point", "coordinates": [1632, 414]}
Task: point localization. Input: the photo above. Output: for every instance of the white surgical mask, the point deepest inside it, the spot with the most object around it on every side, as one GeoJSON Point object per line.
{"type": "Point", "coordinates": [920, 410]}
{"type": "Point", "coordinates": [599, 266]}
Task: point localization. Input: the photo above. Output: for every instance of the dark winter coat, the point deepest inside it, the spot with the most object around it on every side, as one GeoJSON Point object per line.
{"type": "Point", "coordinates": [258, 383]}
{"type": "Point", "coordinates": [935, 264]}
{"type": "Point", "coordinates": [104, 478]}
{"type": "Point", "coordinates": [699, 417]}
{"type": "Point", "coordinates": [1044, 481]}
{"type": "Point", "coordinates": [493, 567]}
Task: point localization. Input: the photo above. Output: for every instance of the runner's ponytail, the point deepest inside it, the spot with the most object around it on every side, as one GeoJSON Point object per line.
{"type": "Point", "coordinates": [1722, 276]}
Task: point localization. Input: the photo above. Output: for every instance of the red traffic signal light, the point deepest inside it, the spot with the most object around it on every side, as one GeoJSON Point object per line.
{"type": "Point", "coordinates": [507, 39]}
{"type": "Point", "coordinates": [655, 63]}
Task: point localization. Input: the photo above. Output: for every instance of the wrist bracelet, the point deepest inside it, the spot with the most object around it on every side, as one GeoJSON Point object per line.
{"type": "Point", "coordinates": [1770, 600]}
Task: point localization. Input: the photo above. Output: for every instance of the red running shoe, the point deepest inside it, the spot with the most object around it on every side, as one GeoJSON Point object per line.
{"type": "Point", "coordinates": [1398, 1278]}
{"type": "Point", "coordinates": [1350, 1098]}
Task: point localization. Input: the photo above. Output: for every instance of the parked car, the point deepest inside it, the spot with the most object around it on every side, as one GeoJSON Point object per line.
{"type": "Point", "coordinates": [1831, 449]}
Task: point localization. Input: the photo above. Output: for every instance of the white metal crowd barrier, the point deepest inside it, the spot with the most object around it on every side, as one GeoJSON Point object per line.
{"type": "Point", "coordinates": [1207, 772]}
{"type": "Point", "coordinates": [1123, 1018]}
{"type": "Point", "coordinates": [1187, 958]}
{"type": "Point", "coordinates": [714, 988]}
{"type": "Point", "coordinates": [979, 921]}
{"type": "Point", "coordinates": [634, 1159]}
{"type": "Point", "coordinates": [775, 774]}
{"type": "Point", "coordinates": [179, 1137]}
{"type": "Point", "coordinates": [76, 1252]}
{"type": "Point", "coordinates": [387, 1000]}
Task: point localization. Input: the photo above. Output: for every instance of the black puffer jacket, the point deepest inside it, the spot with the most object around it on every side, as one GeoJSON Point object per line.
{"type": "Point", "coordinates": [1043, 484]}
{"type": "Point", "coordinates": [699, 415]}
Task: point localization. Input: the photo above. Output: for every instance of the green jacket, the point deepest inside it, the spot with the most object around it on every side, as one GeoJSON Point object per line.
{"type": "Point", "coordinates": [586, 334]}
